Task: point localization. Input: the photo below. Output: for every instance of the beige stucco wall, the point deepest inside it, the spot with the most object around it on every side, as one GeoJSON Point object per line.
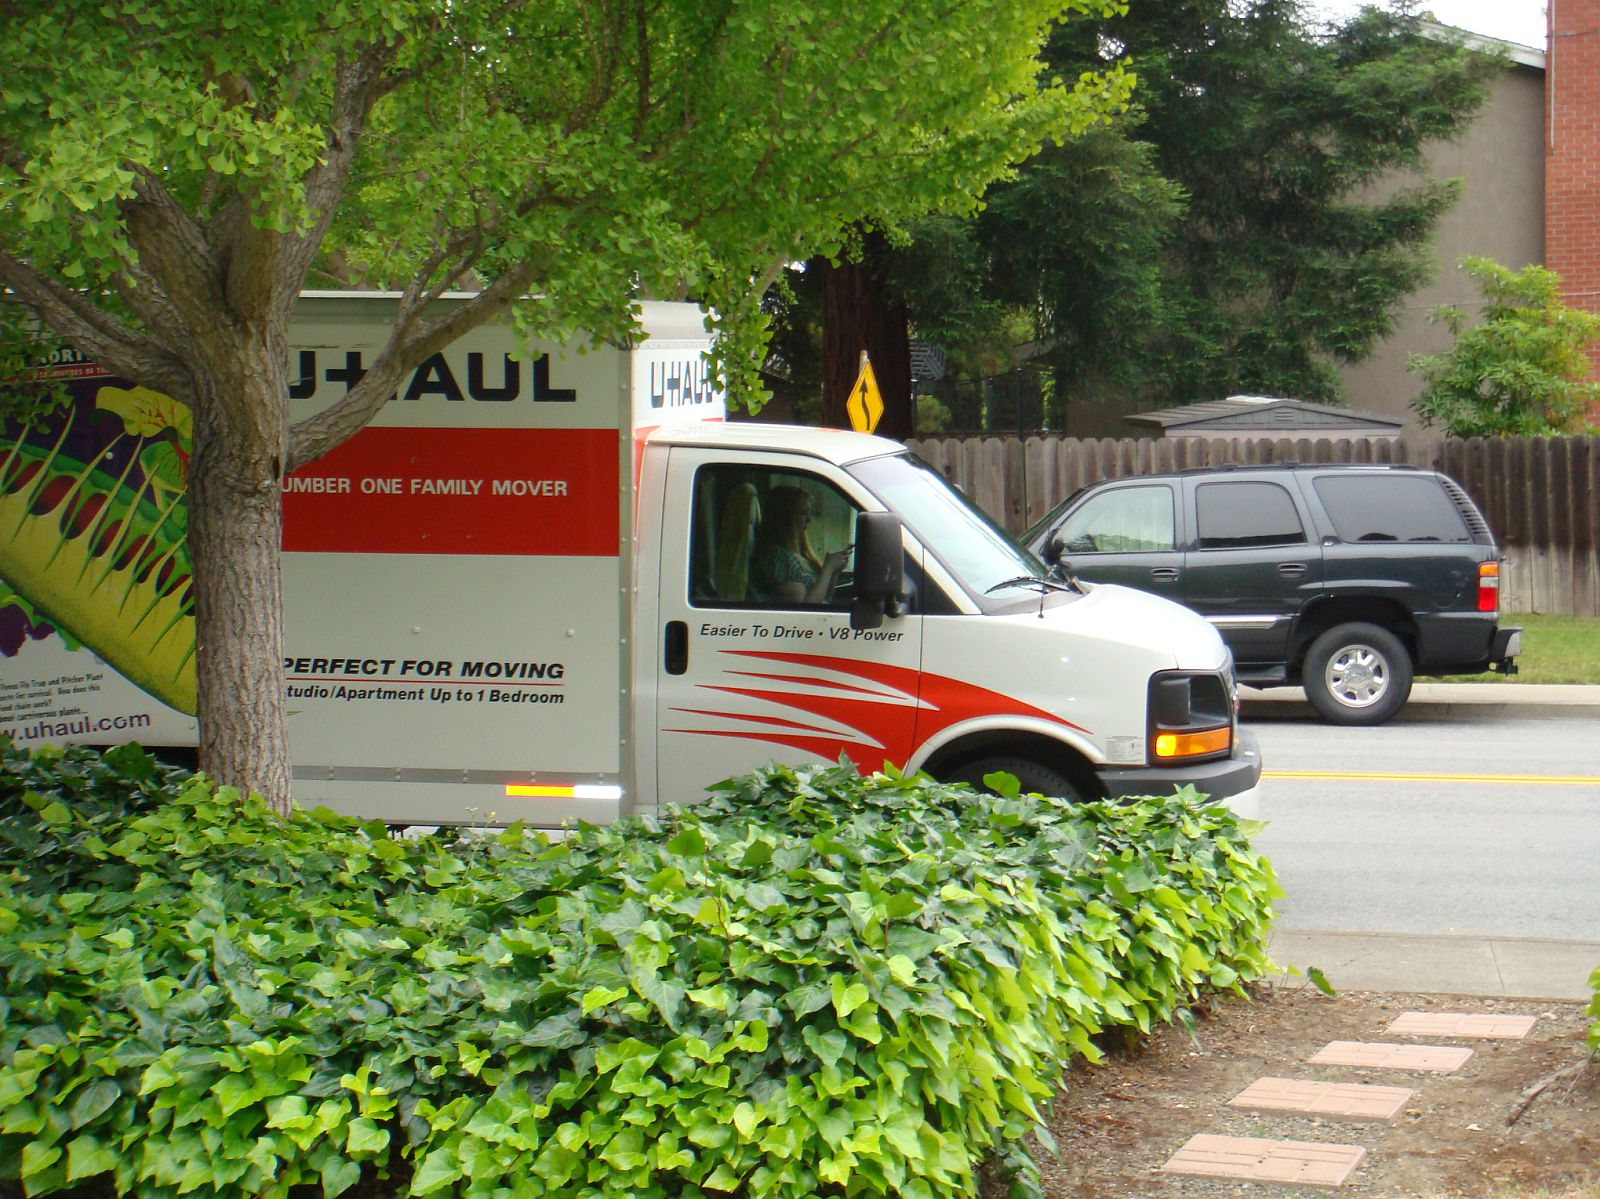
{"type": "Point", "coordinates": [1500, 161]}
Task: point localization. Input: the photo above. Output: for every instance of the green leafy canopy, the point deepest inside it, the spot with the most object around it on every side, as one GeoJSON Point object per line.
{"type": "Point", "coordinates": [1521, 370]}
{"type": "Point", "coordinates": [595, 152]}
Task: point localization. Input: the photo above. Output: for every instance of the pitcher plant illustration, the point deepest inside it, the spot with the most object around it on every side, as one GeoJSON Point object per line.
{"type": "Point", "coordinates": [93, 538]}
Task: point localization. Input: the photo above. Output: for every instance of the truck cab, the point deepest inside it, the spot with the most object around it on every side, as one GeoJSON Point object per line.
{"type": "Point", "coordinates": [949, 651]}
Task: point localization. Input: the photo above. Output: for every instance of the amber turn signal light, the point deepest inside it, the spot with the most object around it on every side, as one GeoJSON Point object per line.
{"type": "Point", "coordinates": [1188, 745]}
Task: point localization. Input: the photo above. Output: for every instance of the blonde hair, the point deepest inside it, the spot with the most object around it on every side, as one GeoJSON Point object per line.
{"type": "Point", "coordinates": [778, 512]}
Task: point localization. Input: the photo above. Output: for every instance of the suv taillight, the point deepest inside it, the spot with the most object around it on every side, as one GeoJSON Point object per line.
{"type": "Point", "coordinates": [1488, 587]}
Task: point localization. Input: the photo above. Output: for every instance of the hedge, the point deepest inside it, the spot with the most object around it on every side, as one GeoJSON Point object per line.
{"type": "Point", "coordinates": [1594, 1010]}
{"type": "Point", "coordinates": [810, 984]}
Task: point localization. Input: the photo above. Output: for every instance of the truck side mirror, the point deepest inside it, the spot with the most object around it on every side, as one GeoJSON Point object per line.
{"type": "Point", "coordinates": [879, 568]}
{"type": "Point", "coordinates": [1054, 548]}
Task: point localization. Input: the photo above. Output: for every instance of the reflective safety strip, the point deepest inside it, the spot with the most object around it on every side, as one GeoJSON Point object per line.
{"type": "Point", "coordinates": [567, 791]}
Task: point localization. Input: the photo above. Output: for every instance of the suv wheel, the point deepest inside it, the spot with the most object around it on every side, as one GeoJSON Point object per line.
{"type": "Point", "coordinates": [1357, 674]}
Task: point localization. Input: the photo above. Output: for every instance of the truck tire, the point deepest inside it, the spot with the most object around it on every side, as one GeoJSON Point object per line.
{"type": "Point", "coordinates": [1357, 674]}
{"type": "Point", "coordinates": [1033, 776]}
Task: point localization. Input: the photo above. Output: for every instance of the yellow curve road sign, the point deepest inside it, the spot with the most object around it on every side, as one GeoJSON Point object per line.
{"type": "Point", "coordinates": [865, 405]}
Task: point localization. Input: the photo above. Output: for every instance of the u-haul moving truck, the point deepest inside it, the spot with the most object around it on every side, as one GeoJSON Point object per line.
{"type": "Point", "coordinates": [558, 585]}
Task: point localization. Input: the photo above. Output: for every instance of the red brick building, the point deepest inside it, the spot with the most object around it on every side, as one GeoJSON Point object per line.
{"type": "Point", "coordinates": [1572, 150]}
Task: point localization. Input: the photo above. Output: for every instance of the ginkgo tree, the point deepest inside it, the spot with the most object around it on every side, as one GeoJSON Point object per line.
{"type": "Point", "coordinates": [174, 172]}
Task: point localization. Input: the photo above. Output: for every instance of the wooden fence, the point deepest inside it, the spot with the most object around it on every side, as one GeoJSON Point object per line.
{"type": "Point", "coordinates": [1541, 496]}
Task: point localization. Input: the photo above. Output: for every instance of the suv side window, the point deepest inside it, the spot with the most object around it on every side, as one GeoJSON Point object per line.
{"type": "Point", "coordinates": [1241, 515]}
{"type": "Point", "coordinates": [1122, 520]}
{"type": "Point", "coordinates": [1390, 508]}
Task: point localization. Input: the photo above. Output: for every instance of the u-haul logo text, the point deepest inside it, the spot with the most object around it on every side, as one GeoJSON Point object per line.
{"type": "Point", "coordinates": [685, 383]}
{"type": "Point", "coordinates": [491, 378]}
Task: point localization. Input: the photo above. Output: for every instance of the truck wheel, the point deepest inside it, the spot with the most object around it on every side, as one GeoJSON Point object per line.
{"type": "Point", "coordinates": [1033, 776]}
{"type": "Point", "coordinates": [1357, 674]}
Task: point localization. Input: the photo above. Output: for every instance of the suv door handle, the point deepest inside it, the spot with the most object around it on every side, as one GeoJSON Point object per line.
{"type": "Point", "coordinates": [1164, 574]}
{"type": "Point", "coordinates": [1292, 570]}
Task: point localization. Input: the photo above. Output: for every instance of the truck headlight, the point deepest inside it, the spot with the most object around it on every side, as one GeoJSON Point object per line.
{"type": "Point", "coordinates": [1191, 717]}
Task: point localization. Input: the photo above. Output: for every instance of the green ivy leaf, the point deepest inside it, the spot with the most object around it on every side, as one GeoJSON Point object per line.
{"type": "Point", "coordinates": [93, 1102]}
{"type": "Point", "coordinates": [599, 997]}
{"type": "Point", "coordinates": [365, 1138]}
{"type": "Point", "coordinates": [437, 1170]}
{"type": "Point", "coordinates": [847, 997]}
{"type": "Point", "coordinates": [689, 844]}
{"type": "Point", "coordinates": [86, 1157]}
{"type": "Point", "coordinates": [338, 1175]}
{"type": "Point", "coordinates": [37, 1157]}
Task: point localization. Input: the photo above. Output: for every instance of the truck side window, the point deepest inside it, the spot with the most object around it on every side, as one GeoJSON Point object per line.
{"type": "Point", "coordinates": [1123, 520]}
{"type": "Point", "coordinates": [768, 538]}
{"type": "Point", "coordinates": [1244, 515]}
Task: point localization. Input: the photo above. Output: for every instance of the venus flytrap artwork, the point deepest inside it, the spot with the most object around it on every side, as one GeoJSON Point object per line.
{"type": "Point", "coordinates": [92, 539]}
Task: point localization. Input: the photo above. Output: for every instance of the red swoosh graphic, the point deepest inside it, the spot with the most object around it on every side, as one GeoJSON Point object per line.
{"type": "Point", "coordinates": [884, 724]}
{"type": "Point", "coordinates": [785, 678]}
{"type": "Point", "coordinates": [751, 719]}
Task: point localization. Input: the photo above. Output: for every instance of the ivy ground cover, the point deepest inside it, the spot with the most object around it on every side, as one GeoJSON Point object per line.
{"type": "Point", "coordinates": [812, 983]}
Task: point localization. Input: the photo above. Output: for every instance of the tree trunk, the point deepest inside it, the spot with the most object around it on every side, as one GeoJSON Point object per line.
{"type": "Point", "coordinates": [861, 312]}
{"type": "Point", "coordinates": [235, 542]}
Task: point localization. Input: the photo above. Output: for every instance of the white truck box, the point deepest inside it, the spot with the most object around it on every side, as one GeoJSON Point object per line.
{"type": "Point", "coordinates": [531, 590]}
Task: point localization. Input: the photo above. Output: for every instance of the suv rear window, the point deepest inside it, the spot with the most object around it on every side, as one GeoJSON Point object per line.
{"type": "Point", "coordinates": [1390, 508]}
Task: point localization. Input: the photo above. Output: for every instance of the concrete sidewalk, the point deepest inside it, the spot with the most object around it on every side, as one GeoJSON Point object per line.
{"type": "Point", "coordinates": [1446, 965]}
{"type": "Point", "coordinates": [1435, 701]}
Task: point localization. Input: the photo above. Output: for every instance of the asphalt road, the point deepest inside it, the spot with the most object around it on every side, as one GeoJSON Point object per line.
{"type": "Point", "coordinates": [1468, 827]}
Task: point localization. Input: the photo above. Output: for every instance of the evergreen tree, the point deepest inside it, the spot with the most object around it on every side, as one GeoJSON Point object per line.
{"type": "Point", "coordinates": [1296, 247]}
{"type": "Point", "coordinates": [1253, 222]}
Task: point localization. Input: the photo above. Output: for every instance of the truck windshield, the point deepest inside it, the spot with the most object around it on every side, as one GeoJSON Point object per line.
{"type": "Point", "coordinates": [943, 519]}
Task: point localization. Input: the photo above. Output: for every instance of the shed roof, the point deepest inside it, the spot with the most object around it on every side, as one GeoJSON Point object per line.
{"type": "Point", "coordinates": [1267, 412]}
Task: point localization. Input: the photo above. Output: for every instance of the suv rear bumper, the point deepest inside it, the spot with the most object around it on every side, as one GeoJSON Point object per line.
{"type": "Point", "coordinates": [1465, 643]}
{"type": "Point", "coordinates": [1232, 779]}
{"type": "Point", "coordinates": [1503, 653]}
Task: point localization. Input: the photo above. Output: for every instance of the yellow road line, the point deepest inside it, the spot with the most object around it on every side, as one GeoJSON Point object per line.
{"type": "Point", "coordinates": [1572, 780]}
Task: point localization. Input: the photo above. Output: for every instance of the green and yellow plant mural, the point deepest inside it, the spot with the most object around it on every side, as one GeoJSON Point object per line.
{"type": "Point", "coordinates": [98, 548]}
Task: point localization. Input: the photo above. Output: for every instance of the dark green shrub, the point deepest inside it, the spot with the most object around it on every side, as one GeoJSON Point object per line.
{"type": "Point", "coordinates": [1594, 1010]}
{"type": "Point", "coordinates": [810, 984]}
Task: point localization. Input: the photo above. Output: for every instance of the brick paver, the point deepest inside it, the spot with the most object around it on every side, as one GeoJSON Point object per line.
{"type": "Point", "coordinates": [1489, 1025]}
{"type": "Point", "coordinates": [1255, 1159]}
{"type": "Point", "coordinates": [1331, 1100]}
{"type": "Point", "coordinates": [1442, 1059]}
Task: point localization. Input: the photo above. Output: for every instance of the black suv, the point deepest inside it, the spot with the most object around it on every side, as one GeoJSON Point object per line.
{"type": "Point", "coordinates": [1346, 580]}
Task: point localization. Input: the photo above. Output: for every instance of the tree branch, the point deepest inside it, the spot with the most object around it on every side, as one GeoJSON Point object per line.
{"type": "Point", "coordinates": [416, 336]}
{"type": "Point", "coordinates": [95, 332]}
{"type": "Point", "coordinates": [266, 268]}
{"type": "Point", "coordinates": [174, 254]}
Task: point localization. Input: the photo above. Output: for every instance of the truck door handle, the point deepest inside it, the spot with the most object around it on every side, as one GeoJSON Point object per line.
{"type": "Point", "coordinates": [1292, 570]}
{"type": "Point", "coordinates": [1164, 574]}
{"type": "Point", "coordinates": [675, 654]}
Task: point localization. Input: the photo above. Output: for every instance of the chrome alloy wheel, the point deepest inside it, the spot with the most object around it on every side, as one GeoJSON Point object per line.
{"type": "Point", "coordinates": [1358, 676]}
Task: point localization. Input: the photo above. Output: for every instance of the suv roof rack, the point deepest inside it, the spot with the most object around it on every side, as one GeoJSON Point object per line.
{"type": "Point", "coordinates": [1294, 465]}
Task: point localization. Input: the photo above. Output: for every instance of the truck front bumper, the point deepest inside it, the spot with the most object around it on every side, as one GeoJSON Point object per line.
{"type": "Point", "coordinates": [1233, 779]}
